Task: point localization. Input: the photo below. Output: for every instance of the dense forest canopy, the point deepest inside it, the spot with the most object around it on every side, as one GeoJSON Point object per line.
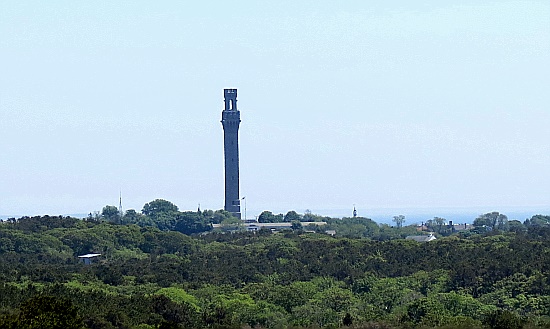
{"type": "Point", "coordinates": [164, 268]}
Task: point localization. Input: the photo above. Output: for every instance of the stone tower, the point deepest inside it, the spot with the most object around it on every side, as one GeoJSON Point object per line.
{"type": "Point", "coordinates": [231, 118]}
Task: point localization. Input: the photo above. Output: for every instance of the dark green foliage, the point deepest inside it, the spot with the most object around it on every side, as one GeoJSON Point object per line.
{"type": "Point", "coordinates": [191, 223]}
{"type": "Point", "coordinates": [269, 217]}
{"type": "Point", "coordinates": [296, 225]}
{"type": "Point", "coordinates": [357, 227]}
{"type": "Point", "coordinates": [109, 274]}
{"type": "Point", "coordinates": [40, 224]}
{"type": "Point", "coordinates": [292, 216]}
{"type": "Point", "coordinates": [347, 320]}
{"type": "Point", "coordinates": [538, 220]}
{"type": "Point", "coordinates": [132, 217]}
{"type": "Point", "coordinates": [503, 319]}
{"type": "Point", "coordinates": [111, 214]}
{"type": "Point", "coordinates": [165, 216]}
{"type": "Point", "coordinates": [374, 279]}
{"type": "Point", "coordinates": [47, 312]}
{"type": "Point", "coordinates": [493, 220]}
{"type": "Point", "coordinates": [159, 207]}
{"type": "Point", "coordinates": [175, 315]}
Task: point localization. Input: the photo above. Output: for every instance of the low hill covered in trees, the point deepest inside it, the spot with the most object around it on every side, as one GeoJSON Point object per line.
{"type": "Point", "coordinates": [151, 275]}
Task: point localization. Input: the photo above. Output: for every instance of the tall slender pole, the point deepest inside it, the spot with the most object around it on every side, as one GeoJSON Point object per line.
{"type": "Point", "coordinates": [244, 198]}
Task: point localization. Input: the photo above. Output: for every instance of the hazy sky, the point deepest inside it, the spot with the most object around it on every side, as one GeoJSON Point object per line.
{"type": "Point", "coordinates": [380, 104]}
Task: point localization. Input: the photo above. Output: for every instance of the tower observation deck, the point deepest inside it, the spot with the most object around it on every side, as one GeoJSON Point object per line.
{"type": "Point", "coordinates": [231, 119]}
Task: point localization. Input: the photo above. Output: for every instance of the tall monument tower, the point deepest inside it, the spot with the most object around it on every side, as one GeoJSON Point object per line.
{"type": "Point", "coordinates": [231, 118]}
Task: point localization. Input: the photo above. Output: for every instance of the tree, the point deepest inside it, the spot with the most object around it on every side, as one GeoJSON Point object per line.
{"type": "Point", "coordinates": [310, 217]}
{"type": "Point", "coordinates": [218, 216]}
{"type": "Point", "coordinates": [399, 220]}
{"type": "Point", "coordinates": [159, 207]}
{"type": "Point", "coordinates": [191, 222]}
{"type": "Point", "coordinates": [291, 215]}
{"type": "Point", "coordinates": [537, 220]}
{"type": "Point", "coordinates": [516, 226]}
{"type": "Point", "coordinates": [296, 225]}
{"type": "Point", "coordinates": [46, 312]}
{"type": "Point", "coordinates": [439, 222]}
{"type": "Point", "coordinates": [133, 217]}
{"type": "Point", "coordinates": [173, 313]}
{"type": "Point", "coordinates": [426, 310]}
{"type": "Point", "coordinates": [163, 213]}
{"type": "Point", "coordinates": [111, 214]}
{"type": "Point", "coordinates": [494, 220]}
{"type": "Point", "coordinates": [503, 319]}
{"type": "Point", "coordinates": [269, 217]}
{"type": "Point", "coordinates": [348, 320]}
{"type": "Point", "coordinates": [93, 217]}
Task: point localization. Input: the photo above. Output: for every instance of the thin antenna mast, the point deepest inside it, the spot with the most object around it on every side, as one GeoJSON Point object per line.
{"type": "Point", "coordinates": [120, 204]}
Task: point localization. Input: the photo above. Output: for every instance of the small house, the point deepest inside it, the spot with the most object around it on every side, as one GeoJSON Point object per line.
{"type": "Point", "coordinates": [88, 258]}
{"type": "Point", "coordinates": [421, 238]}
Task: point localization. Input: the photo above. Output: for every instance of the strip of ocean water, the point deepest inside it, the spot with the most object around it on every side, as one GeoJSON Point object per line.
{"type": "Point", "coordinates": [458, 215]}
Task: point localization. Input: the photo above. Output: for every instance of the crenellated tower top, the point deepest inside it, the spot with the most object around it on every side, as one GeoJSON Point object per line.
{"type": "Point", "coordinates": [231, 117]}
{"type": "Point", "coordinates": [230, 97]}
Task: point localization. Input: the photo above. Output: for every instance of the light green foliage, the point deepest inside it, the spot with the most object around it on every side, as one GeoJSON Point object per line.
{"type": "Point", "coordinates": [162, 213]}
{"type": "Point", "coordinates": [216, 217]}
{"type": "Point", "coordinates": [19, 242]}
{"type": "Point", "coordinates": [457, 304]}
{"type": "Point", "coordinates": [519, 293]}
{"type": "Point", "coordinates": [312, 314]}
{"type": "Point", "coordinates": [232, 224]}
{"type": "Point", "coordinates": [290, 296]}
{"type": "Point", "coordinates": [337, 299]}
{"type": "Point", "coordinates": [428, 283]}
{"type": "Point", "coordinates": [389, 295]}
{"type": "Point", "coordinates": [180, 296]}
{"type": "Point", "coordinates": [426, 311]}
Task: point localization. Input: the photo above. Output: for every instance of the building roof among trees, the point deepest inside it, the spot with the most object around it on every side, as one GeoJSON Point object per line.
{"type": "Point", "coordinates": [421, 238]}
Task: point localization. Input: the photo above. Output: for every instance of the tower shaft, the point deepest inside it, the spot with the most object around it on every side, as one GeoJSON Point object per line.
{"type": "Point", "coordinates": [231, 119]}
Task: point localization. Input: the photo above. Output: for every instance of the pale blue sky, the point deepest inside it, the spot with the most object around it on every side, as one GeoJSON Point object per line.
{"type": "Point", "coordinates": [385, 104]}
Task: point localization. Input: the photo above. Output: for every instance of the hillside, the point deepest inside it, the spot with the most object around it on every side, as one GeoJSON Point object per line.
{"type": "Point", "coordinates": [152, 278]}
